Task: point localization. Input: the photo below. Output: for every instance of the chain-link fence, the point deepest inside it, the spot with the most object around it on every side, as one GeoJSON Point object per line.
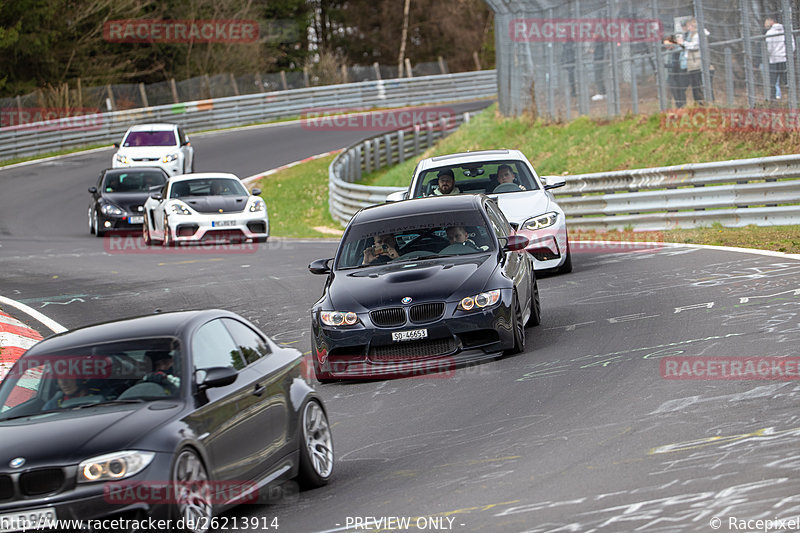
{"type": "Point", "coordinates": [609, 57]}
{"type": "Point", "coordinates": [66, 101]}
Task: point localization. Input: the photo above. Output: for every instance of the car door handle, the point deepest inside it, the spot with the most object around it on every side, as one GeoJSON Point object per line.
{"type": "Point", "coordinates": [259, 389]}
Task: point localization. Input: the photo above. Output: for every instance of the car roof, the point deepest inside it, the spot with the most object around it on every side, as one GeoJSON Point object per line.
{"type": "Point", "coordinates": [419, 206]}
{"type": "Point", "coordinates": [153, 127]}
{"type": "Point", "coordinates": [171, 324]}
{"type": "Point", "coordinates": [469, 157]}
{"type": "Point", "coordinates": [203, 175]}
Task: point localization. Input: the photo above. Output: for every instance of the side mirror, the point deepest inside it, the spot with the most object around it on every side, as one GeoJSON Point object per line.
{"type": "Point", "coordinates": [217, 376]}
{"type": "Point", "coordinates": [397, 196]}
{"type": "Point", "coordinates": [514, 225]}
{"type": "Point", "coordinates": [155, 195]}
{"type": "Point", "coordinates": [256, 192]}
{"type": "Point", "coordinates": [320, 266]}
{"type": "Point", "coordinates": [554, 182]}
{"type": "Point", "coordinates": [116, 145]}
{"type": "Point", "coordinates": [93, 190]}
{"type": "Point", "coordinates": [186, 143]}
{"type": "Point", "coordinates": [515, 243]}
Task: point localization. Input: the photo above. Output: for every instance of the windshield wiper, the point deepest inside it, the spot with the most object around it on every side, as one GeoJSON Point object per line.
{"type": "Point", "coordinates": [111, 402]}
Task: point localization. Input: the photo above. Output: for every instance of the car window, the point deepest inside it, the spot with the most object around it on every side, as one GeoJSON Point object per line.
{"type": "Point", "coordinates": [150, 138]}
{"type": "Point", "coordinates": [213, 346]}
{"type": "Point", "coordinates": [132, 181]}
{"type": "Point", "coordinates": [250, 343]}
{"type": "Point", "coordinates": [481, 177]}
{"type": "Point", "coordinates": [499, 223]}
{"type": "Point", "coordinates": [208, 187]}
{"type": "Point", "coordinates": [414, 237]}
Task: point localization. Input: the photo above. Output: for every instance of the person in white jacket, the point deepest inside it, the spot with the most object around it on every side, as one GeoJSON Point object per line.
{"type": "Point", "coordinates": [776, 52]}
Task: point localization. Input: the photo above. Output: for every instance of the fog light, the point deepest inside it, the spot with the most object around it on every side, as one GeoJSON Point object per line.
{"type": "Point", "coordinates": [107, 224]}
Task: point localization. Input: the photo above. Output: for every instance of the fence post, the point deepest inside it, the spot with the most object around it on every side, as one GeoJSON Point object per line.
{"type": "Point", "coordinates": [234, 85]}
{"type": "Point", "coordinates": [377, 69]}
{"type": "Point", "coordinates": [344, 74]}
{"type": "Point", "coordinates": [765, 72]}
{"type": "Point", "coordinates": [416, 140]}
{"type": "Point", "coordinates": [387, 140]}
{"type": "Point", "coordinates": [259, 83]}
{"type": "Point", "coordinates": [283, 81]}
{"type": "Point", "coordinates": [791, 53]}
{"type": "Point", "coordinates": [110, 99]}
{"type": "Point", "coordinates": [305, 76]}
{"type": "Point", "coordinates": [409, 73]}
{"type": "Point", "coordinates": [401, 147]}
{"type": "Point", "coordinates": [442, 68]}
{"type": "Point", "coordinates": [476, 58]}
{"type": "Point", "coordinates": [705, 59]}
{"type": "Point", "coordinates": [174, 90]}
{"type": "Point", "coordinates": [748, 54]}
{"type": "Point", "coordinates": [634, 87]}
{"type": "Point", "coordinates": [729, 76]}
{"type": "Point", "coordinates": [357, 163]}
{"type": "Point", "coordinates": [376, 153]}
{"type": "Point", "coordinates": [80, 92]}
{"type": "Point", "coordinates": [661, 75]}
{"type": "Point", "coordinates": [143, 95]}
{"type": "Point", "coordinates": [367, 157]}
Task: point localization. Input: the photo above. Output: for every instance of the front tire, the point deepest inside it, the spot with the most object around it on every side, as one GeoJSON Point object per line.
{"type": "Point", "coordinates": [536, 308]}
{"type": "Point", "coordinates": [566, 268]}
{"type": "Point", "coordinates": [96, 223]}
{"type": "Point", "coordinates": [316, 447]}
{"type": "Point", "coordinates": [190, 486]}
{"type": "Point", "coordinates": [518, 328]}
{"type": "Point", "coordinates": [91, 222]}
{"type": "Point", "coordinates": [146, 233]}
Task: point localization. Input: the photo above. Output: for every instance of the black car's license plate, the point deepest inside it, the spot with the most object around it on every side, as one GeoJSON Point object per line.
{"type": "Point", "coordinates": [410, 335]}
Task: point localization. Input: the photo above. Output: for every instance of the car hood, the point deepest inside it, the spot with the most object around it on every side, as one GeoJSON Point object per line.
{"type": "Point", "coordinates": [69, 437]}
{"type": "Point", "coordinates": [520, 206]}
{"type": "Point", "coordinates": [127, 200]}
{"type": "Point", "coordinates": [136, 152]}
{"type": "Point", "coordinates": [442, 279]}
{"type": "Point", "coordinates": [216, 204]}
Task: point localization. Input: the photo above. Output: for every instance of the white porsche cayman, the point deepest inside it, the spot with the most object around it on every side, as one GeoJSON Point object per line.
{"type": "Point", "coordinates": [523, 197]}
{"type": "Point", "coordinates": [204, 206]}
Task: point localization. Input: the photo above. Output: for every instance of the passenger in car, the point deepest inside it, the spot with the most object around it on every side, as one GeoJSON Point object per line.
{"type": "Point", "coordinates": [447, 181]}
{"type": "Point", "coordinates": [383, 250]}
{"type": "Point", "coordinates": [69, 388]}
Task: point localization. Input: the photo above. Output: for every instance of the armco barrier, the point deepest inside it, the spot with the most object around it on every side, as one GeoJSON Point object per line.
{"type": "Point", "coordinates": [39, 138]}
{"type": "Point", "coordinates": [761, 191]}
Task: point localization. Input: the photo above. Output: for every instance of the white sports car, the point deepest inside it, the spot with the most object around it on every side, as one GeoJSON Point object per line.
{"type": "Point", "coordinates": [204, 206]}
{"type": "Point", "coordinates": [155, 145]}
{"type": "Point", "coordinates": [523, 197]}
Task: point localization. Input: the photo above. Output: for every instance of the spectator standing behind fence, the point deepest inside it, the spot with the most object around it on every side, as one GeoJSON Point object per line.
{"type": "Point", "coordinates": [676, 69]}
{"type": "Point", "coordinates": [691, 42]}
{"type": "Point", "coordinates": [598, 51]}
{"type": "Point", "coordinates": [776, 52]}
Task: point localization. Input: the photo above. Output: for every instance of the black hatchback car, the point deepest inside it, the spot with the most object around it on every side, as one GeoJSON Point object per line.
{"type": "Point", "coordinates": [118, 197]}
{"type": "Point", "coordinates": [420, 286]}
{"type": "Point", "coordinates": [171, 416]}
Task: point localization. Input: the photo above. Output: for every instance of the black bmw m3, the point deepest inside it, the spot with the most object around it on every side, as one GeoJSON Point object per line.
{"type": "Point", "coordinates": [421, 286]}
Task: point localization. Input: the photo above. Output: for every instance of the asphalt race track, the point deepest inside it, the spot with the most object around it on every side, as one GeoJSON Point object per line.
{"type": "Point", "coordinates": [585, 431]}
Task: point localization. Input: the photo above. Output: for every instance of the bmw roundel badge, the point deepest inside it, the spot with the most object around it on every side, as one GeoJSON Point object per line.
{"type": "Point", "coordinates": [17, 462]}
{"type": "Point", "coordinates": [406, 300]}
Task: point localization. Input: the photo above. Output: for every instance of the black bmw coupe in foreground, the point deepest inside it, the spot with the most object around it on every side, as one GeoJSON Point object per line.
{"type": "Point", "coordinates": [173, 416]}
{"type": "Point", "coordinates": [421, 286]}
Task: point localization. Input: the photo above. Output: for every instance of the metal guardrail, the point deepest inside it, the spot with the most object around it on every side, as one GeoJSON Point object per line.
{"type": "Point", "coordinates": [733, 193]}
{"type": "Point", "coordinates": [42, 137]}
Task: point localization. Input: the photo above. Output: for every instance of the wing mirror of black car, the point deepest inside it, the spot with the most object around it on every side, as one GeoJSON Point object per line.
{"type": "Point", "coordinates": [515, 243]}
{"type": "Point", "coordinates": [93, 190]}
{"type": "Point", "coordinates": [554, 182]}
{"type": "Point", "coordinates": [320, 266]}
{"type": "Point", "coordinates": [397, 196]}
{"type": "Point", "coordinates": [514, 225]}
{"type": "Point", "coordinates": [156, 195]}
{"type": "Point", "coordinates": [217, 376]}
{"type": "Point", "coordinates": [256, 192]}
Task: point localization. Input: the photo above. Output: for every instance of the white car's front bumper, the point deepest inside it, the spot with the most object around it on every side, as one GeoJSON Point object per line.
{"type": "Point", "coordinates": [173, 168]}
{"type": "Point", "coordinates": [228, 226]}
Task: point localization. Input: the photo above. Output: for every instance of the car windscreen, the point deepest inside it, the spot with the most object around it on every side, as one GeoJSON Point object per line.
{"type": "Point", "coordinates": [132, 370]}
{"type": "Point", "coordinates": [150, 138]}
{"type": "Point", "coordinates": [133, 181]}
{"type": "Point", "coordinates": [208, 187]}
{"type": "Point", "coordinates": [414, 237]}
{"type": "Point", "coordinates": [485, 177]}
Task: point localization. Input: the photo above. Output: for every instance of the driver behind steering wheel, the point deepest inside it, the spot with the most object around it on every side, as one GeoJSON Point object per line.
{"type": "Point", "coordinates": [459, 235]}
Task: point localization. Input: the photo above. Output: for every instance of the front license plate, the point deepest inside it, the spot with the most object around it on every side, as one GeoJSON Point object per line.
{"type": "Point", "coordinates": [139, 219]}
{"type": "Point", "coordinates": [222, 223]}
{"type": "Point", "coordinates": [28, 520]}
{"type": "Point", "coordinates": [411, 335]}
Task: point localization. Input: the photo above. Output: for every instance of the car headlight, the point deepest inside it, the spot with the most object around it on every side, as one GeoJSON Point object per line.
{"type": "Point", "coordinates": [122, 158]}
{"type": "Point", "coordinates": [542, 221]}
{"type": "Point", "coordinates": [484, 299]}
{"type": "Point", "coordinates": [179, 209]}
{"type": "Point", "coordinates": [257, 205]}
{"type": "Point", "coordinates": [111, 210]}
{"type": "Point", "coordinates": [113, 466]}
{"type": "Point", "coordinates": [169, 158]}
{"type": "Point", "coordinates": [338, 318]}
